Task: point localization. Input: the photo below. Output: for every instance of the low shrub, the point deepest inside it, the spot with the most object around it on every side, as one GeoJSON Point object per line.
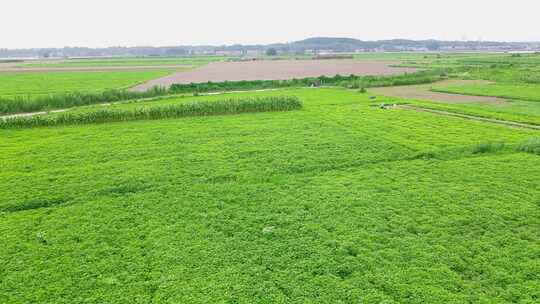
{"type": "Point", "coordinates": [531, 145]}
{"type": "Point", "coordinates": [488, 147]}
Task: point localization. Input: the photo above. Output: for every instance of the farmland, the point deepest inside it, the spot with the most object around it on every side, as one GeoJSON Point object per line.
{"type": "Point", "coordinates": [296, 194]}
{"type": "Point", "coordinates": [36, 84]}
{"type": "Point", "coordinates": [275, 70]}
{"type": "Point", "coordinates": [194, 61]}
{"type": "Point", "coordinates": [530, 92]}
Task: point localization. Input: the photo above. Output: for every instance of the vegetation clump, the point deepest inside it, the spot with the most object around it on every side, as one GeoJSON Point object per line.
{"type": "Point", "coordinates": [530, 146]}
{"type": "Point", "coordinates": [488, 147]}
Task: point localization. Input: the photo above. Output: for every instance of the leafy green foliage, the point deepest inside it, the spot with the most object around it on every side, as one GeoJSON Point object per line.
{"type": "Point", "coordinates": [128, 61]}
{"type": "Point", "coordinates": [339, 202]}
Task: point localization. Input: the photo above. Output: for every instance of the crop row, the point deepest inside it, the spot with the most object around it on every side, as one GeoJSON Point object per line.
{"type": "Point", "coordinates": [201, 108]}
{"type": "Point", "coordinates": [25, 104]}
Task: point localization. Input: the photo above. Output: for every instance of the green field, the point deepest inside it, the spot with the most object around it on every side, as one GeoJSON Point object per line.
{"type": "Point", "coordinates": [193, 61]}
{"type": "Point", "coordinates": [514, 111]}
{"type": "Point", "coordinates": [516, 75]}
{"type": "Point", "coordinates": [503, 62]}
{"type": "Point", "coordinates": [338, 202]}
{"type": "Point", "coordinates": [510, 91]}
{"type": "Point", "coordinates": [506, 59]}
{"type": "Point", "coordinates": [334, 201]}
{"type": "Point", "coordinates": [42, 83]}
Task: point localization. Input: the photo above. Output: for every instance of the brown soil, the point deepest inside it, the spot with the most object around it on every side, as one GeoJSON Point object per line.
{"type": "Point", "coordinates": [422, 92]}
{"type": "Point", "coordinates": [275, 70]}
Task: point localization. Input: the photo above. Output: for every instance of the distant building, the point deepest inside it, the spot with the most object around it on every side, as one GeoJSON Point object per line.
{"type": "Point", "coordinates": [228, 53]}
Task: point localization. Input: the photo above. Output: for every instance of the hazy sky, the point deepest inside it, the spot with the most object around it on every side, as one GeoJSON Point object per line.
{"type": "Point", "coordinates": [98, 23]}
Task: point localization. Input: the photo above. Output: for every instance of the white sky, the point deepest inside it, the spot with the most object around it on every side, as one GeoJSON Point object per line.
{"type": "Point", "coordinates": [99, 23]}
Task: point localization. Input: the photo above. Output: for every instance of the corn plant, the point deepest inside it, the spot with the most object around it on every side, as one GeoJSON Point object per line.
{"type": "Point", "coordinates": [200, 108]}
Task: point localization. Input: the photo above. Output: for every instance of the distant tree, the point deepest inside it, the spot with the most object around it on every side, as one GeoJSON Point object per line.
{"type": "Point", "coordinates": [271, 52]}
{"type": "Point", "coordinates": [175, 52]}
{"type": "Point", "coordinates": [433, 45]}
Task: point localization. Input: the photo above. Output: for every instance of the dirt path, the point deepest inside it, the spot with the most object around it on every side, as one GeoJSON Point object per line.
{"type": "Point", "coordinates": [7, 68]}
{"type": "Point", "coordinates": [422, 92]}
{"type": "Point", "coordinates": [275, 70]}
{"type": "Point", "coordinates": [32, 114]}
{"type": "Point", "coordinates": [471, 117]}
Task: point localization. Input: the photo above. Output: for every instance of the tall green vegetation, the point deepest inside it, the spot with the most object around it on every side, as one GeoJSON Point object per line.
{"type": "Point", "coordinates": [488, 147]}
{"type": "Point", "coordinates": [22, 104]}
{"type": "Point", "coordinates": [200, 108]}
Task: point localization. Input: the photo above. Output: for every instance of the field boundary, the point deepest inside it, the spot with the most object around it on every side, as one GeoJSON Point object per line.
{"type": "Point", "coordinates": [470, 117]}
{"type": "Point", "coordinates": [429, 92]}
{"type": "Point", "coordinates": [444, 91]}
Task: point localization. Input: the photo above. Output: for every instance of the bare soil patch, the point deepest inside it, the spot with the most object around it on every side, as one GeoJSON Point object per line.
{"type": "Point", "coordinates": [423, 92]}
{"type": "Point", "coordinates": [275, 70]}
